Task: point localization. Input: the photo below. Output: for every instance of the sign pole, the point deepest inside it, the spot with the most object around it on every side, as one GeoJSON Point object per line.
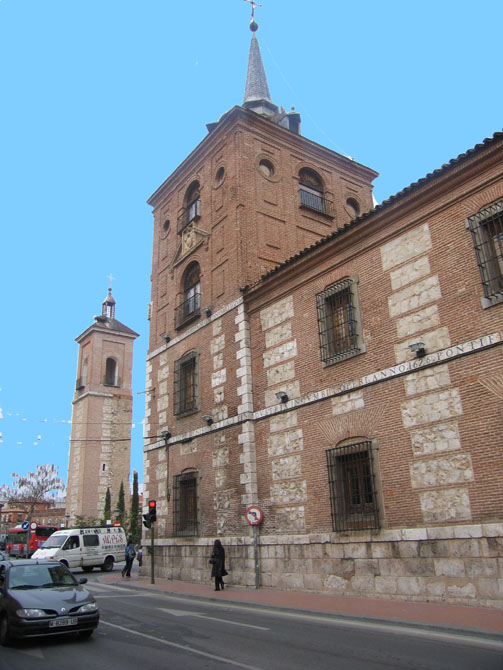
{"type": "Point", "coordinates": [254, 516]}
{"type": "Point", "coordinates": [256, 556]}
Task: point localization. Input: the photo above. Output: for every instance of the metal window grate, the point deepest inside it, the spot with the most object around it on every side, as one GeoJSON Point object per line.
{"type": "Point", "coordinates": [486, 228]}
{"type": "Point", "coordinates": [337, 322]}
{"type": "Point", "coordinates": [352, 487]}
{"type": "Point", "coordinates": [185, 504]}
{"type": "Point", "coordinates": [186, 384]}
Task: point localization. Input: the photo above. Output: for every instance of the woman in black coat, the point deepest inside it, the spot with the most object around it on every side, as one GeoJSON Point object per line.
{"type": "Point", "coordinates": [217, 561]}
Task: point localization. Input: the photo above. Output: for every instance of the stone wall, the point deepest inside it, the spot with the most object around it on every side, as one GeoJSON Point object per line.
{"type": "Point", "coordinates": [459, 565]}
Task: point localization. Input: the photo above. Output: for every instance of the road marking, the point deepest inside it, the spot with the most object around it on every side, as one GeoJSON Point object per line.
{"type": "Point", "coordinates": [210, 617]}
{"type": "Point", "coordinates": [36, 653]}
{"type": "Point", "coordinates": [414, 629]}
{"type": "Point", "coordinates": [183, 647]}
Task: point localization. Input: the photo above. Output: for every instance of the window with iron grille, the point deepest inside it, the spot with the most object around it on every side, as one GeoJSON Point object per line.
{"type": "Point", "coordinates": [185, 504]}
{"type": "Point", "coordinates": [352, 487]}
{"type": "Point", "coordinates": [339, 322]}
{"type": "Point", "coordinates": [486, 228]}
{"type": "Point", "coordinates": [186, 384]}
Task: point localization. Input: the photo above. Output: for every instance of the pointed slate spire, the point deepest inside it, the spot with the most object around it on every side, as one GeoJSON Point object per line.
{"type": "Point", "coordinates": [257, 96]}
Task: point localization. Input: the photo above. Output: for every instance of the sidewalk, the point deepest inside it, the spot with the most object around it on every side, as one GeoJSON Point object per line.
{"type": "Point", "coordinates": [431, 614]}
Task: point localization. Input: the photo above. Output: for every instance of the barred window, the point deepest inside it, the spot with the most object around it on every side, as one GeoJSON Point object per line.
{"type": "Point", "coordinates": [185, 504]}
{"type": "Point", "coordinates": [352, 487]}
{"type": "Point", "coordinates": [339, 322]}
{"type": "Point", "coordinates": [186, 384]}
{"type": "Point", "coordinates": [486, 228]}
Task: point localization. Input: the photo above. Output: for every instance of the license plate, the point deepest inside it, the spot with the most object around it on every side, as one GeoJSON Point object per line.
{"type": "Point", "coordinates": [66, 621]}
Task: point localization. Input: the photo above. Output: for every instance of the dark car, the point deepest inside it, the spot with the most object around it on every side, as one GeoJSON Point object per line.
{"type": "Point", "coordinates": [40, 598]}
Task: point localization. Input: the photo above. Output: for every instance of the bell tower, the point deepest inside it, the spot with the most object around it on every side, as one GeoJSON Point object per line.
{"type": "Point", "coordinates": [100, 446]}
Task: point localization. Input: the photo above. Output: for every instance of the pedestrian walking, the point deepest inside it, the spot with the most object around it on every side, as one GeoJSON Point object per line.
{"type": "Point", "coordinates": [139, 556]}
{"type": "Point", "coordinates": [217, 562]}
{"type": "Point", "coordinates": [130, 555]}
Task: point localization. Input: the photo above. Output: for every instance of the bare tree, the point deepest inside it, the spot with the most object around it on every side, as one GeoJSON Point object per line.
{"type": "Point", "coordinates": [34, 487]}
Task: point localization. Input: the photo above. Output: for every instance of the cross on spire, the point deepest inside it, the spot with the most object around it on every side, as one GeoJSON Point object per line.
{"type": "Point", "coordinates": [111, 279]}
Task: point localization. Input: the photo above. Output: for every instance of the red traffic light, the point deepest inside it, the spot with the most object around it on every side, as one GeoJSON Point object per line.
{"type": "Point", "coordinates": [152, 508]}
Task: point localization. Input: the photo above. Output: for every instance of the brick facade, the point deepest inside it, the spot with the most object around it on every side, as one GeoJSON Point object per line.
{"type": "Point", "coordinates": [432, 424]}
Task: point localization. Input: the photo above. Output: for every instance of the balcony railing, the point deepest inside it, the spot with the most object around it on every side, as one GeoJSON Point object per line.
{"type": "Point", "coordinates": [316, 202]}
{"type": "Point", "coordinates": [189, 309]}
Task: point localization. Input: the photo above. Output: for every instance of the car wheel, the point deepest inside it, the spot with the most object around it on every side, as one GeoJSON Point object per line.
{"type": "Point", "coordinates": [5, 636]}
{"type": "Point", "coordinates": [87, 568]}
{"type": "Point", "coordinates": [65, 563]}
{"type": "Point", "coordinates": [86, 634]}
{"type": "Point", "coordinates": [108, 564]}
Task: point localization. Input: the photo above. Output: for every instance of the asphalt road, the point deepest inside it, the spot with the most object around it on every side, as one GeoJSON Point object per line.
{"type": "Point", "coordinates": [140, 629]}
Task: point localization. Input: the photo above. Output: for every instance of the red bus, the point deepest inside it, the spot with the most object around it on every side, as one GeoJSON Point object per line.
{"type": "Point", "coordinates": [16, 539]}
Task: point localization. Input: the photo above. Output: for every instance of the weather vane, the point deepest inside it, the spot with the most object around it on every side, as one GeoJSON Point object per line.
{"type": "Point", "coordinates": [252, 17]}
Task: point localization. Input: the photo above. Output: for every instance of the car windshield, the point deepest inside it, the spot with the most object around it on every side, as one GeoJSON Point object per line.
{"type": "Point", "coordinates": [40, 576]}
{"type": "Point", "coordinates": [54, 542]}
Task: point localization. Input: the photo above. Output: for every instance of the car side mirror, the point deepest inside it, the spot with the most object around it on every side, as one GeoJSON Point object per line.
{"type": "Point", "coordinates": [83, 580]}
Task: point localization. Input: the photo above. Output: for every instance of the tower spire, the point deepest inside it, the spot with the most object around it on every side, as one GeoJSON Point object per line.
{"type": "Point", "coordinates": [257, 96]}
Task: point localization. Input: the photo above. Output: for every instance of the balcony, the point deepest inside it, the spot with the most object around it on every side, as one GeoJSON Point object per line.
{"type": "Point", "coordinates": [316, 202]}
{"type": "Point", "coordinates": [189, 310]}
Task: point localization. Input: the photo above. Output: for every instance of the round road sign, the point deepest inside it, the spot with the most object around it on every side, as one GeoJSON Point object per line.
{"type": "Point", "coordinates": [254, 515]}
{"type": "Point", "coordinates": [33, 525]}
{"type": "Point", "coordinates": [25, 525]}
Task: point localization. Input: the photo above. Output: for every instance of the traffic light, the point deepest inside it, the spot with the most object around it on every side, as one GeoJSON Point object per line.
{"type": "Point", "coordinates": [152, 510]}
{"type": "Point", "coordinates": [146, 520]}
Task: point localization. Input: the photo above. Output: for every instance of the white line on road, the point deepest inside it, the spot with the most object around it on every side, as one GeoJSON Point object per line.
{"type": "Point", "coordinates": [471, 638]}
{"type": "Point", "coordinates": [183, 647]}
{"type": "Point", "coordinates": [210, 617]}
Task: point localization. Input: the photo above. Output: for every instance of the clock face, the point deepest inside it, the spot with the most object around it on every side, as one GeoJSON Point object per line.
{"type": "Point", "coordinates": [254, 515]}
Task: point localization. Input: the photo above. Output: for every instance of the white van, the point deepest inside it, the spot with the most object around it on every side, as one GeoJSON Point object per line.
{"type": "Point", "coordinates": [85, 548]}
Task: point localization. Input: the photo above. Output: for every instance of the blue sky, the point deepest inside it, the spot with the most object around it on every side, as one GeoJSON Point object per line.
{"type": "Point", "coordinates": [102, 99]}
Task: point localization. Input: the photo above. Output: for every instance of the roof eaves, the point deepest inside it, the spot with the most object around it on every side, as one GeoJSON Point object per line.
{"type": "Point", "coordinates": [420, 183]}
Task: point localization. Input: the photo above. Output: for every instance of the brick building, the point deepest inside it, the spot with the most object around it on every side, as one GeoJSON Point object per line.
{"type": "Point", "coordinates": [100, 446]}
{"type": "Point", "coordinates": [336, 364]}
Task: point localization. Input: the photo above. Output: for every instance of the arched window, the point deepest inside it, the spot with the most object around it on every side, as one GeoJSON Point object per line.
{"type": "Point", "coordinates": [191, 207]}
{"type": "Point", "coordinates": [111, 378]}
{"type": "Point", "coordinates": [193, 202]}
{"type": "Point", "coordinates": [191, 292]}
{"type": "Point", "coordinates": [311, 191]}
